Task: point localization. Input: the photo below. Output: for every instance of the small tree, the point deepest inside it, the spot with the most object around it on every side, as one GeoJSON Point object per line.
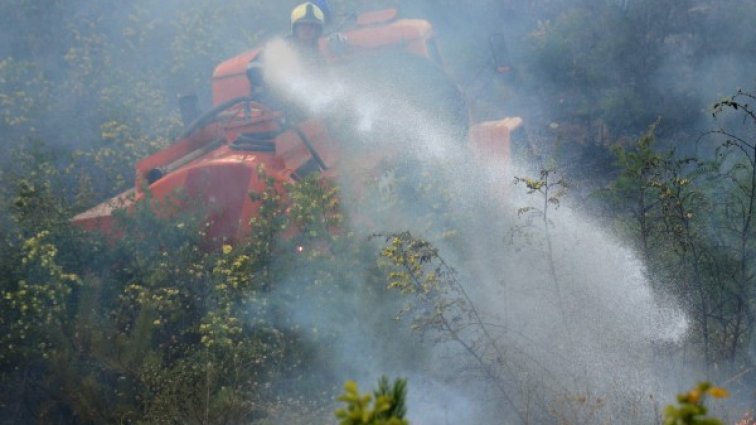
{"type": "Point", "coordinates": [386, 406]}
{"type": "Point", "coordinates": [691, 409]}
{"type": "Point", "coordinates": [737, 160]}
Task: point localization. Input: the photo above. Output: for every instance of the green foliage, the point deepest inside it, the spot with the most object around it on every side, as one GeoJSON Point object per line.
{"type": "Point", "coordinates": [36, 307]}
{"type": "Point", "coordinates": [156, 324]}
{"type": "Point", "coordinates": [159, 327]}
{"type": "Point", "coordinates": [692, 221]}
{"type": "Point", "coordinates": [442, 310]}
{"type": "Point", "coordinates": [23, 91]}
{"type": "Point", "coordinates": [316, 207]}
{"type": "Point", "coordinates": [397, 393]}
{"type": "Point", "coordinates": [154, 328]}
{"type": "Point", "coordinates": [623, 63]}
{"type": "Point", "coordinates": [386, 406]}
{"type": "Point", "coordinates": [574, 50]}
{"type": "Point", "coordinates": [662, 193]}
{"type": "Point", "coordinates": [550, 187]}
{"type": "Point", "coordinates": [691, 409]}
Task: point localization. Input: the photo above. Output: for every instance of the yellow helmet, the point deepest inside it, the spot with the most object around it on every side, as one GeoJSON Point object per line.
{"type": "Point", "coordinates": [307, 13]}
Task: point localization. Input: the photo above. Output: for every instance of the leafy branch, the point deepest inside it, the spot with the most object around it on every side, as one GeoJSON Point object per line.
{"type": "Point", "coordinates": [443, 306]}
{"type": "Point", "coordinates": [386, 406]}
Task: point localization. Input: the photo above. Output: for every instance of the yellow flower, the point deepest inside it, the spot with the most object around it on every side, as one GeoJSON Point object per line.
{"type": "Point", "coordinates": [718, 392]}
{"type": "Point", "coordinates": [694, 396]}
{"type": "Point", "coordinates": [227, 249]}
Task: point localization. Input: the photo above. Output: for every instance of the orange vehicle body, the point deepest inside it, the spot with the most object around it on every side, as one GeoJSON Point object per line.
{"type": "Point", "coordinates": [215, 163]}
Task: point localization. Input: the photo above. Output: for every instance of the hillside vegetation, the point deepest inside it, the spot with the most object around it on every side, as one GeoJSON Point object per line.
{"type": "Point", "coordinates": [641, 112]}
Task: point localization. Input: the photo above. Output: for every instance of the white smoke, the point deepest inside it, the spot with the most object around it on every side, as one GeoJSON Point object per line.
{"type": "Point", "coordinates": [599, 334]}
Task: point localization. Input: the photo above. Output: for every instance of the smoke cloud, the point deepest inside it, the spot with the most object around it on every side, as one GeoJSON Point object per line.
{"type": "Point", "coordinates": [594, 327]}
{"type": "Point", "coordinates": [568, 303]}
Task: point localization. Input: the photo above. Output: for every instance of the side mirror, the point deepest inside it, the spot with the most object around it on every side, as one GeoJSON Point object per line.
{"type": "Point", "coordinates": [255, 74]}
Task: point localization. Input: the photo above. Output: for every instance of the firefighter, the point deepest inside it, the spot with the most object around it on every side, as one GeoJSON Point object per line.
{"type": "Point", "coordinates": [307, 25]}
{"type": "Point", "coordinates": [307, 22]}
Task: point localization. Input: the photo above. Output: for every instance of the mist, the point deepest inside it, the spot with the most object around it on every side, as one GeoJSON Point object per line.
{"type": "Point", "coordinates": [577, 323]}
{"type": "Point", "coordinates": [597, 333]}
